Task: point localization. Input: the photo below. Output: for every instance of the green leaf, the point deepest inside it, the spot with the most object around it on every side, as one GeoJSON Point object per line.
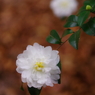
{"type": "Point", "coordinates": [54, 38]}
{"type": "Point", "coordinates": [59, 65]}
{"type": "Point", "coordinates": [34, 91]}
{"type": "Point", "coordinates": [66, 32]}
{"type": "Point", "coordinates": [74, 39]}
{"type": "Point", "coordinates": [55, 34]}
{"type": "Point", "coordinates": [87, 2]}
{"type": "Point", "coordinates": [72, 21]}
{"type": "Point", "coordinates": [89, 27]}
{"type": "Point", "coordinates": [83, 15]}
{"type": "Point", "coordinates": [90, 2]}
{"type": "Point", "coordinates": [83, 8]}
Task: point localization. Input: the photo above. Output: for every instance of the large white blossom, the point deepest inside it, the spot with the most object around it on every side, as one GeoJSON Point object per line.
{"type": "Point", "coordinates": [63, 8]}
{"type": "Point", "coordinates": [38, 66]}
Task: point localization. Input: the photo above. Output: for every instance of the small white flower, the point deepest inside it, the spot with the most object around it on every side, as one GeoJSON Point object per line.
{"type": "Point", "coordinates": [63, 8]}
{"type": "Point", "coordinates": [38, 66]}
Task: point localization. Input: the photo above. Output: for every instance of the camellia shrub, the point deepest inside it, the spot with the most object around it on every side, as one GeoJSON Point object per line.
{"type": "Point", "coordinates": [40, 66]}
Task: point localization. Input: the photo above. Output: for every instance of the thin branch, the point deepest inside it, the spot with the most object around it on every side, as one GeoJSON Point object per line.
{"type": "Point", "coordinates": [62, 44]}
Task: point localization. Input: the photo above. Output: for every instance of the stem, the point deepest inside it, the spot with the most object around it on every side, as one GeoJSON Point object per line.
{"type": "Point", "coordinates": [66, 40]}
{"type": "Point", "coordinates": [62, 44]}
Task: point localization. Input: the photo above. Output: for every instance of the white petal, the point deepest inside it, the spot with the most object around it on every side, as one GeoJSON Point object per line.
{"type": "Point", "coordinates": [63, 10]}
{"type": "Point", "coordinates": [24, 79]}
{"type": "Point", "coordinates": [47, 69]}
{"type": "Point", "coordinates": [47, 51]}
{"type": "Point", "coordinates": [49, 72]}
{"type": "Point", "coordinates": [26, 74]}
{"type": "Point", "coordinates": [19, 70]}
{"type": "Point", "coordinates": [55, 77]}
{"type": "Point", "coordinates": [29, 47]}
{"type": "Point", "coordinates": [49, 83]}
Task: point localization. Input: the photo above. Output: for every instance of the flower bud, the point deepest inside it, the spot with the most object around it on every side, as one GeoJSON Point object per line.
{"type": "Point", "coordinates": [88, 7]}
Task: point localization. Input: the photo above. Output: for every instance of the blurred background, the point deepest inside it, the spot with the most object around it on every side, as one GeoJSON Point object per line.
{"type": "Point", "coordinates": [24, 22]}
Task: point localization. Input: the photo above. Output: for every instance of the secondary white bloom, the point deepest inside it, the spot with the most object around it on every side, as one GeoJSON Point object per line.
{"type": "Point", "coordinates": [63, 8]}
{"type": "Point", "coordinates": [38, 66]}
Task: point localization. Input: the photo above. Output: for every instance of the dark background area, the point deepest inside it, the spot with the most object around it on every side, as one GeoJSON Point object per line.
{"type": "Point", "coordinates": [24, 22]}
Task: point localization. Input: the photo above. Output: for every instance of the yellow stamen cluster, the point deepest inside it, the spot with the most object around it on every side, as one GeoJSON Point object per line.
{"type": "Point", "coordinates": [65, 4]}
{"type": "Point", "coordinates": [39, 66]}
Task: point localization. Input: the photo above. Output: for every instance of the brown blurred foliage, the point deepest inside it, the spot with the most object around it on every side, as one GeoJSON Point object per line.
{"type": "Point", "coordinates": [24, 22]}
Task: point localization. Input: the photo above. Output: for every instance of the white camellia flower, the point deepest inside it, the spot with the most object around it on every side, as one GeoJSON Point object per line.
{"type": "Point", "coordinates": [62, 8]}
{"type": "Point", "coordinates": [38, 66]}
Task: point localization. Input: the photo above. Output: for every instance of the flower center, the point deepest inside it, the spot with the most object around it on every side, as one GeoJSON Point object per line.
{"type": "Point", "coordinates": [39, 66]}
{"type": "Point", "coordinates": [64, 4]}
